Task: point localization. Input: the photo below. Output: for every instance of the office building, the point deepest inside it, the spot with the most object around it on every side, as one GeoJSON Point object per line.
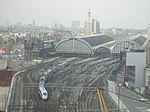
{"type": "Point", "coordinates": [75, 24]}
{"type": "Point", "coordinates": [56, 23]}
{"type": "Point", "coordinates": [135, 64]}
{"type": "Point", "coordinates": [33, 23]}
{"type": "Point", "coordinates": [95, 26]}
{"type": "Point", "coordinates": [147, 80]}
{"type": "Point", "coordinates": [88, 24]}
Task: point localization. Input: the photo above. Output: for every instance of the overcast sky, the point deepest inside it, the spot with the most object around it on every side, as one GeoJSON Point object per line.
{"type": "Point", "coordinates": [110, 13]}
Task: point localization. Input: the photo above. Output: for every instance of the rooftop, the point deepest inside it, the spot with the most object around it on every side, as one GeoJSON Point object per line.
{"type": "Point", "coordinates": [98, 39]}
{"type": "Point", "coordinates": [3, 65]}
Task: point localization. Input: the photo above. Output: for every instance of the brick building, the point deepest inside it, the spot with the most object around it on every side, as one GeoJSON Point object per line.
{"type": "Point", "coordinates": [5, 74]}
{"type": "Point", "coordinates": [35, 48]}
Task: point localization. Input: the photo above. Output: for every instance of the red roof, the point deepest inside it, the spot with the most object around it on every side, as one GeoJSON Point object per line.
{"type": "Point", "coordinates": [3, 48]}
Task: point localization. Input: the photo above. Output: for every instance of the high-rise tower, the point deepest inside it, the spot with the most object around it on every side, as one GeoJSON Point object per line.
{"type": "Point", "coordinates": [75, 24]}
{"type": "Point", "coordinates": [148, 32]}
{"type": "Point", "coordinates": [95, 26]}
{"type": "Point", "coordinates": [88, 23]}
{"type": "Point", "coordinates": [33, 23]}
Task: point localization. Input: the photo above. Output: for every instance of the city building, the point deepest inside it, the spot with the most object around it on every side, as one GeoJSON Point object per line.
{"type": "Point", "coordinates": [147, 68]}
{"type": "Point", "coordinates": [32, 47]}
{"type": "Point", "coordinates": [147, 80]}
{"type": "Point", "coordinates": [56, 23]}
{"type": "Point", "coordinates": [35, 48]}
{"type": "Point", "coordinates": [33, 23]}
{"type": "Point", "coordinates": [148, 55]}
{"type": "Point", "coordinates": [95, 26]}
{"type": "Point", "coordinates": [5, 74]}
{"type": "Point", "coordinates": [147, 46]}
{"type": "Point", "coordinates": [91, 27]}
{"type": "Point", "coordinates": [88, 24]}
{"type": "Point", "coordinates": [3, 50]}
{"type": "Point", "coordinates": [134, 68]}
{"type": "Point", "coordinates": [75, 24]}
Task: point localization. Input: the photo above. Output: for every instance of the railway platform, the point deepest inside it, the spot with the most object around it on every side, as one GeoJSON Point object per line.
{"type": "Point", "coordinates": [115, 97]}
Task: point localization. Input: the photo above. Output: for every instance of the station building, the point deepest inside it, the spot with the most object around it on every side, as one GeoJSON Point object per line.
{"type": "Point", "coordinates": [105, 46]}
{"type": "Point", "coordinates": [99, 45]}
{"type": "Point", "coordinates": [88, 45]}
{"type": "Point", "coordinates": [136, 42]}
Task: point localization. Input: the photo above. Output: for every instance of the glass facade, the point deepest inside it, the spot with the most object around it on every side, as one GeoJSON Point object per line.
{"type": "Point", "coordinates": [148, 80]}
{"type": "Point", "coordinates": [131, 73]}
{"type": "Point", "coordinates": [103, 51]}
{"type": "Point", "coordinates": [74, 45]}
{"type": "Point", "coordinates": [123, 46]}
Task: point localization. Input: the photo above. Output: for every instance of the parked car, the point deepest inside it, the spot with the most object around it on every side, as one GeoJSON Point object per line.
{"type": "Point", "coordinates": [144, 99]}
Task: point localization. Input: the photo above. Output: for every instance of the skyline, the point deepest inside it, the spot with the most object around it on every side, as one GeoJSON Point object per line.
{"type": "Point", "coordinates": [116, 13]}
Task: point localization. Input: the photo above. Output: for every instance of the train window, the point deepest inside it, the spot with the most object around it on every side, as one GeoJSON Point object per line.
{"type": "Point", "coordinates": [44, 94]}
{"type": "Point", "coordinates": [42, 79]}
{"type": "Point", "coordinates": [40, 92]}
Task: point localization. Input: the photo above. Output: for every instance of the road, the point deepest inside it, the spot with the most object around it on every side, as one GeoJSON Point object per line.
{"type": "Point", "coordinates": [133, 105]}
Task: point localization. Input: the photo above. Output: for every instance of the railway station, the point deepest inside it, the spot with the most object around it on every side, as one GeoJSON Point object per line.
{"type": "Point", "coordinates": [99, 45]}
{"type": "Point", "coordinates": [55, 57]}
{"type": "Point", "coordinates": [74, 83]}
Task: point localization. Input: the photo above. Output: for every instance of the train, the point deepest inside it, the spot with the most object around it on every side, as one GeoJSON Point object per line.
{"type": "Point", "coordinates": [62, 65]}
{"type": "Point", "coordinates": [42, 81]}
{"type": "Point", "coordinates": [80, 95]}
{"type": "Point", "coordinates": [42, 91]}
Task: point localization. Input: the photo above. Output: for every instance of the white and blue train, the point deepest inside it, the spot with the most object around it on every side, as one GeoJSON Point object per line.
{"type": "Point", "coordinates": [42, 81]}
{"type": "Point", "coordinates": [42, 91]}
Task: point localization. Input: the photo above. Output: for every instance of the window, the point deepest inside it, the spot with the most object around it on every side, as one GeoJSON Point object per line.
{"type": "Point", "coordinates": [131, 71]}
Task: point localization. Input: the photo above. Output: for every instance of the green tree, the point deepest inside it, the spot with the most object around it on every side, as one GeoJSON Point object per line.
{"type": "Point", "coordinates": [10, 44]}
{"type": "Point", "coordinates": [109, 33]}
{"type": "Point", "coordinates": [1, 40]}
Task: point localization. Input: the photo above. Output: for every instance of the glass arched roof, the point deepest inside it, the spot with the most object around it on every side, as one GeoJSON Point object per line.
{"type": "Point", "coordinates": [95, 40]}
{"type": "Point", "coordinates": [140, 40]}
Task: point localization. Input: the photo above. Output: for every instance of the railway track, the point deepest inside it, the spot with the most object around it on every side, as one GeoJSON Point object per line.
{"type": "Point", "coordinates": [77, 74]}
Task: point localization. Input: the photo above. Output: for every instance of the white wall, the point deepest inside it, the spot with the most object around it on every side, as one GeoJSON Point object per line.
{"type": "Point", "coordinates": [137, 59]}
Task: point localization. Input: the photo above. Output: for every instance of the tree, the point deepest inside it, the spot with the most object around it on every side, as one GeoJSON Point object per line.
{"type": "Point", "coordinates": [10, 44]}
{"type": "Point", "coordinates": [1, 40]}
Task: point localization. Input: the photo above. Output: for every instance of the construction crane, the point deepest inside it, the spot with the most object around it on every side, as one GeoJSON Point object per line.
{"type": "Point", "coordinates": [101, 101]}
